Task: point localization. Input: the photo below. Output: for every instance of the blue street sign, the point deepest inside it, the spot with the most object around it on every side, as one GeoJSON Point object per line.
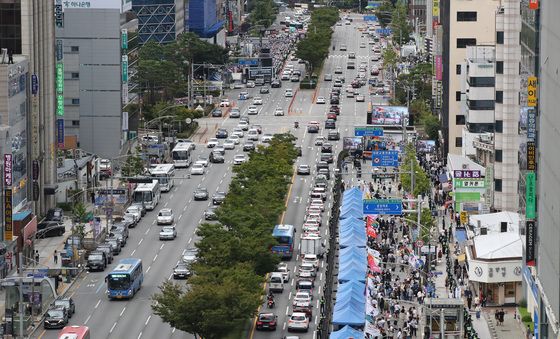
{"type": "Point", "coordinates": [383, 206]}
{"type": "Point", "coordinates": [370, 18]}
{"type": "Point", "coordinates": [248, 62]}
{"type": "Point", "coordinates": [384, 31]}
{"type": "Point", "coordinates": [368, 131]}
{"type": "Point", "coordinates": [385, 158]}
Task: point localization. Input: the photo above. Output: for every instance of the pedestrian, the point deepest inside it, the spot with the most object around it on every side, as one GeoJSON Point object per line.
{"type": "Point", "coordinates": [477, 310]}
{"type": "Point", "coordinates": [55, 257]}
{"type": "Point", "coordinates": [37, 257]}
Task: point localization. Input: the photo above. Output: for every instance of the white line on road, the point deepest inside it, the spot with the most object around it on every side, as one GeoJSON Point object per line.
{"type": "Point", "coordinates": [180, 216]}
{"type": "Point", "coordinates": [189, 243]}
{"type": "Point", "coordinates": [185, 208]}
{"type": "Point", "coordinates": [287, 309]}
{"type": "Point", "coordinates": [155, 257]}
{"type": "Point", "coordinates": [166, 203]}
{"type": "Point", "coordinates": [314, 334]}
{"type": "Point", "coordinates": [181, 182]}
{"type": "Point", "coordinates": [122, 312]}
{"type": "Point", "coordinates": [140, 241]}
{"type": "Point", "coordinates": [133, 252]}
{"type": "Point", "coordinates": [317, 303]}
{"type": "Point", "coordinates": [87, 319]}
{"type": "Point", "coordinates": [316, 318]}
{"type": "Point", "coordinates": [161, 246]}
{"type": "Point", "coordinates": [139, 335]}
{"type": "Point", "coordinates": [319, 293]}
{"type": "Point", "coordinates": [98, 302]}
{"type": "Point", "coordinates": [170, 276]}
{"type": "Point", "coordinates": [153, 222]}
{"type": "Point", "coordinates": [290, 296]}
{"type": "Point", "coordinates": [292, 282]}
{"type": "Point", "coordinates": [284, 326]}
{"type": "Point", "coordinates": [113, 327]}
{"type": "Point", "coordinates": [148, 270]}
{"type": "Point", "coordinates": [148, 320]}
{"type": "Point", "coordinates": [147, 231]}
{"type": "Point", "coordinates": [173, 330]}
{"type": "Point", "coordinates": [171, 196]}
{"type": "Point", "coordinates": [321, 276]}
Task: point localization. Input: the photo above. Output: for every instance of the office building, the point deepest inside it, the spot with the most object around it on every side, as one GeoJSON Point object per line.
{"type": "Point", "coordinates": [204, 21]}
{"type": "Point", "coordinates": [548, 165]}
{"type": "Point", "coordinates": [464, 23]}
{"type": "Point", "coordinates": [160, 20]}
{"type": "Point", "coordinates": [91, 57]}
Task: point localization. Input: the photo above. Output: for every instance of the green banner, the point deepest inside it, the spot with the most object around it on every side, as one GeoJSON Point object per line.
{"type": "Point", "coordinates": [469, 183]}
{"type": "Point", "coordinates": [530, 195]}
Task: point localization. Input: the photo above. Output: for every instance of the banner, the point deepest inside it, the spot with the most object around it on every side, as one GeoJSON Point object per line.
{"type": "Point", "coordinates": [8, 222]}
{"type": "Point", "coordinates": [435, 9]}
{"type": "Point", "coordinates": [439, 67]}
{"type": "Point", "coordinates": [531, 234]}
{"type": "Point", "coordinates": [531, 156]}
{"type": "Point", "coordinates": [469, 183]}
{"type": "Point", "coordinates": [8, 169]}
{"type": "Point", "coordinates": [532, 91]}
{"type": "Point", "coordinates": [530, 195]}
{"type": "Point", "coordinates": [370, 230]}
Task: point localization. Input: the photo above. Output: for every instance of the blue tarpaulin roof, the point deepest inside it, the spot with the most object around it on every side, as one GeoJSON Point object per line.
{"type": "Point", "coordinates": [349, 313]}
{"type": "Point", "coordinates": [347, 222]}
{"type": "Point", "coordinates": [351, 205]}
{"type": "Point", "coordinates": [352, 270]}
{"type": "Point", "coordinates": [351, 239]}
{"type": "Point", "coordinates": [352, 213]}
{"type": "Point", "coordinates": [352, 253]}
{"type": "Point", "coordinates": [20, 215]}
{"type": "Point", "coordinates": [351, 289]}
{"type": "Point", "coordinates": [352, 192]}
{"type": "Point", "coordinates": [352, 228]}
{"type": "Point", "coordinates": [352, 200]}
{"type": "Point", "coordinates": [347, 332]}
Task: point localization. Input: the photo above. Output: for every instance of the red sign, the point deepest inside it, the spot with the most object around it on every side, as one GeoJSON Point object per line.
{"type": "Point", "coordinates": [533, 4]}
{"type": "Point", "coordinates": [439, 67]}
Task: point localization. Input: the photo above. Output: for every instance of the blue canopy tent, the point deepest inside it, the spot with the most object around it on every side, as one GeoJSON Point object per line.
{"type": "Point", "coordinates": [351, 205]}
{"type": "Point", "coordinates": [354, 212]}
{"type": "Point", "coordinates": [347, 332]}
{"type": "Point", "coordinates": [347, 225]}
{"type": "Point", "coordinates": [346, 222]}
{"type": "Point", "coordinates": [351, 253]}
{"type": "Point", "coordinates": [350, 313]}
{"type": "Point", "coordinates": [351, 199]}
{"type": "Point", "coordinates": [352, 237]}
{"type": "Point", "coordinates": [352, 270]}
{"type": "Point", "coordinates": [350, 289]}
{"type": "Point", "coordinates": [352, 193]}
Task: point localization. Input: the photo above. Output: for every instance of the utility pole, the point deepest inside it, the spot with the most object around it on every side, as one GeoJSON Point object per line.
{"type": "Point", "coordinates": [20, 266]}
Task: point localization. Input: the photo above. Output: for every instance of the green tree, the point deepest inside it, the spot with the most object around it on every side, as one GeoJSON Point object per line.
{"type": "Point", "coordinates": [390, 57]}
{"type": "Point", "coordinates": [399, 24]}
{"type": "Point", "coordinates": [431, 125]}
{"type": "Point", "coordinates": [80, 213]}
{"type": "Point", "coordinates": [427, 222]}
{"type": "Point", "coordinates": [133, 166]}
{"type": "Point", "coordinates": [263, 13]}
{"type": "Point", "coordinates": [384, 13]}
{"type": "Point", "coordinates": [314, 48]}
{"type": "Point", "coordinates": [410, 163]}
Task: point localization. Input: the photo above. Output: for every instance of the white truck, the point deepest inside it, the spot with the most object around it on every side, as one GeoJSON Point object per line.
{"type": "Point", "coordinates": [312, 245]}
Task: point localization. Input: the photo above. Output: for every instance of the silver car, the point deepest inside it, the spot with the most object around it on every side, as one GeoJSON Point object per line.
{"type": "Point", "coordinates": [165, 217]}
{"type": "Point", "coordinates": [167, 233]}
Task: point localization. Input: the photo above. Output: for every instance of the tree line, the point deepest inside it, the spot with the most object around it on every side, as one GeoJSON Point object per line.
{"type": "Point", "coordinates": [234, 253]}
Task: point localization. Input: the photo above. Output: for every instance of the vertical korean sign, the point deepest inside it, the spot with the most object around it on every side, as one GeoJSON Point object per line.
{"type": "Point", "coordinates": [530, 195]}
{"type": "Point", "coordinates": [59, 78]}
{"type": "Point", "coordinates": [530, 237]}
{"type": "Point", "coordinates": [439, 67]}
{"type": "Point", "coordinates": [8, 222]}
{"type": "Point", "coordinates": [532, 91]}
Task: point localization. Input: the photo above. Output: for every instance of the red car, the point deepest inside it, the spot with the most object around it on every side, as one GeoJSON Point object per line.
{"type": "Point", "coordinates": [335, 109]}
{"type": "Point", "coordinates": [331, 115]}
{"type": "Point", "coordinates": [267, 321]}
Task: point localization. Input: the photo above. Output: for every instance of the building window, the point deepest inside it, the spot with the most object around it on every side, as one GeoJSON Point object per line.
{"type": "Point", "coordinates": [497, 185]}
{"type": "Point", "coordinates": [458, 142]}
{"type": "Point", "coordinates": [481, 81]}
{"type": "Point", "coordinates": [499, 97]}
{"type": "Point", "coordinates": [480, 105]}
{"type": "Point", "coordinates": [499, 67]}
{"type": "Point", "coordinates": [74, 48]}
{"type": "Point", "coordinates": [464, 42]}
{"type": "Point", "coordinates": [466, 16]}
{"type": "Point", "coordinates": [499, 37]}
{"type": "Point", "coordinates": [75, 122]}
{"type": "Point", "coordinates": [75, 75]}
{"type": "Point", "coordinates": [460, 120]}
{"type": "Point", "coordinates": [499, 126]}
{"type": "Point", "coordinates": [458, 96]}
{"type": "Point", "coordinates": [458, 69]}
{"type": "Point", "coordinates": [498, 155]}
{"type": "Point", "coordinates": [75, 101]}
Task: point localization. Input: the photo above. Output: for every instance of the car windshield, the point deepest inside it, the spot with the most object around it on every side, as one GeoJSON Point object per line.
{"type": "Point", "coordinates": [165, 213]}
{"type": "Point", "coordinates": [118, 281]}
{"type": "Point", "coordinates": [95, 257]}
{"type": "Point", "coordinates": [266, 317]}
{"type": "Point", "coordinates": [167, 230]}
{"type": "Point", "coordinates": [298, 317]}
{"type": "Point", "coordinates": [55, 313]}
{"type": "Point", "coordinates": [65, 303]}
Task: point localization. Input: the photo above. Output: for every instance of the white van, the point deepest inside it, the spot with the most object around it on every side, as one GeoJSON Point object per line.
{"type": "Point", "coordinates": [276, 282]}
{"type": "Point", "coordinates": [253, 134]}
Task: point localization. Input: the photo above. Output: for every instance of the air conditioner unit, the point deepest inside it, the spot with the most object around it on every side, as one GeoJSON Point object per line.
{"type": "Point", "coordinates": [465, 166]}
{"type": "Point", "coordinates": [483, 231]}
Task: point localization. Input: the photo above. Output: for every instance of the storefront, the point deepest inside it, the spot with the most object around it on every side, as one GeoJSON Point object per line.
{"type": "Point", "coordinates": [468, 182]}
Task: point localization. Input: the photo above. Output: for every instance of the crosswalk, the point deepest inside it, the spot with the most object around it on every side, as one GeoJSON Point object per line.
{"type": "Point", "coordinates": [346, 56]}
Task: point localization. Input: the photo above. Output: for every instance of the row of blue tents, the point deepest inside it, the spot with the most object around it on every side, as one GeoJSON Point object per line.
{"type": "Point", "coordinates": [349, 309]}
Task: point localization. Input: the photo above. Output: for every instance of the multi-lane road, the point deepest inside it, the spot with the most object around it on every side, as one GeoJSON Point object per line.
{"type": "Point", "coordinates": [134, 318]}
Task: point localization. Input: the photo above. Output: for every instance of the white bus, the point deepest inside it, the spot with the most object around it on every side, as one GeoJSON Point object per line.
{"type": "Point", "coordinates": [164, 173]}
{"type": "Point", "coordinates": [181, 155]}
{"type": "Point", "coordinates": [149, 194]}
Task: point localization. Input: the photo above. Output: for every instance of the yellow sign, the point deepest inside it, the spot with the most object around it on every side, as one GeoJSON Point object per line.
{"type": "Point", "coordinates": [435, 8]}
{"type": "Point", "coordinates": [464, 218]}
{"type": "Point", "coordinates": [532, 91]}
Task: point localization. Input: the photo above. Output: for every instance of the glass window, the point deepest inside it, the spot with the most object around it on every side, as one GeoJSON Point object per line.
{"type": "Point", "coordinates": [481, 104]}
{"type": "Point", "coordinates": [464, 42]}
{"type": "Point", "coordinates": [499, 67]}
{"type": "Point", "coordinates": [466, 16]}
{"type": "Point", "coordinates": [460, 119]}
{"type": "Point", "coordinates": [499, 97]}
{"type": "Point", "coordinates": [498, 185]}
{"type": "Point", "coordinates": [481, 81]}
{"type": "Point", "coordinates": [498, 155]}
{"type": "Point", "coordinates": [499, 37]}
{"type": "Point", "coordinates": [458, 142]}
{"type": "Point", "coordinates": [499, 126]}
{"type": "Point", "coordinates": [458, 96]}
{"type": "Point", "coordinates": [458, 69]}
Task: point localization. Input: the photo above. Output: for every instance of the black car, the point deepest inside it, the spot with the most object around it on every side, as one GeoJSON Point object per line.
{"type": "Point", "coordinates": [325, 172]}
{"type": "Point", "coordinates": [330, 124]}
{"type": "Point", "coordinates": [108, 250]}
{"type": "Point", "coordinates": [249, 146]}
{"type": "Point", "coordinates": [216, 158]}
{"type": "Point", "coordinates": [210, 214]}
{"type": "Point", "coordinates": [201, 193]}
{"type": "Point", "coordinates": [322, 164]}
{"type": "Point", "coordinates": [119, 235]}
{"type": "Point", "coordinates": [55, 214]}
{"type": "Point", "coordinates": [222, 133]}
{"type": "Point", "coordinates": [264, 90]}
{"type": "Point", "coordinates": [276, 84]}
{"type": "Point", "coordinates": [55, 318]}
{"type": "Point", "coordinates": [328, 157]}
{"type": "Point", "coordinates": [97, 261]}
{"type": "Point", "coordinates": [335, 109]}
{"type": "Point", "coordinates": [181, 271]}
{"type": "Point", "coordinates": [68, 304]}
{"type": "Point", "coordinates": [326, 148]}
{"type": "Point", "coordinates": [334, 100]}
{"type": "Point", "coordinates": [333, 135]}
{"type": "Point", "coordinates": [218, 198]}
{"type": "Point", "coordinates": [47, 229]}
{"type": "Point", "coordinates": [267, 321]}
{"type": "Point", "coordinates": [217, 113]}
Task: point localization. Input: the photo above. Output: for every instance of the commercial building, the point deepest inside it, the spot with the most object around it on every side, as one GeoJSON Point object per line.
{"type": "Point", "coordinates": [205, 22]}
{"type": "Point", "coordinates": [548, 175]}
{"type": "Point", "coordinates": [160, 20]}
{"type": "Point", "coordinates": [464, 23]}
{"type": "Point", "coordinates": [89, 72]}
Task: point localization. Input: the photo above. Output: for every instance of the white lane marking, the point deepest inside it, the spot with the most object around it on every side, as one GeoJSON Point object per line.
{"type": "Point", "coordinates": [133, 252]}
{"type": "Point", "coordinates": [290, 296]}
{"type": "Point", "coordinates": [292, 282]}
{"type": "Point", "coordinates": [173, 330]}
{"type": "Point", "coordinates": [98, 302]}
{"type": "Point", "coordinates": [147, 231]}
{"type": "Point", "coordinates": [316, 318]}
{"type": "Point", "coordinates": [284, 327]}
{"type": "Point", "coordinates": [287, 309]}
{"type": "Point", "coordinates": [148, 320]}
{"type": "Point", "coordinates": [155, 257]}
{"type": "Point", "coordinates": [122, 312]}
{"type": "Point", "coordinates": [153, 222]}
{"type": "Point", "coordinates": [148, 270]}
{"type": "Point", "coordinates": [317, 303]}
{"type": "Point", "coordinates": [319, 293]}
{"type": "Point", "coordinates": [140, 241]}
{"type": "Point", "coordinates": [161, 246]}
{"type": "Point", "coordinates": [170, 276]}
{"type": "Point", "coordinates": [180, 216]}
{"type": "Point", "coordinates": [181, 182]}
{"type": "Point", "coordinates": [171, 196]}
{"type": "Point", "coordinates": [139, 335]}
{"type": "Point", "coordinates": [87, 319]}
{"type": "Point", "coordinates": [113, 327]}
{"type": "Point", "coordinates": [185, 208]}
{"type": "Point", "coordinates": [189, 243]}
{"type": "Point", "coordinates": [321, 276]}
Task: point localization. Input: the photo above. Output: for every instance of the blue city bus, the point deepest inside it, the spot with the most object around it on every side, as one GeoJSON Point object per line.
{"type": "Point", "coordinates": [125, 279]}
{"type": "Point", "coordinates": [284, 235]}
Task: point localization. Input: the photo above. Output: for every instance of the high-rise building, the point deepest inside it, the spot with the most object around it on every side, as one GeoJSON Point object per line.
{"type": "Point", "coordinates": [205, 22]}
{"type": "Point", "coordinates": [89, 55]}
{"type": "Point", "coordinates": [464, 23]}
{"type": "Point", "coordinates": [160, 20]}
{"type": "Point", "coordinates": [547, 165]}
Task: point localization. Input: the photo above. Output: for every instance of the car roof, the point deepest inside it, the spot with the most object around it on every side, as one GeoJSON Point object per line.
{"type": "Point", "coordinates": [165, 210]}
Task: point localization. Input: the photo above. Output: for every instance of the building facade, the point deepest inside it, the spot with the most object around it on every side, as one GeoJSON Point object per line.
{"type": "Point", "coordinates": [92, 81]}
{"type": "Point", "coordinates": [160, 20]}
{"type": "Point", "coordinates": [464, 23]}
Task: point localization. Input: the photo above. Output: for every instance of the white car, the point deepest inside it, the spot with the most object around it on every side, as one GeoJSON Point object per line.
{"type": "Point", "coordinates": [319, 140]}
{"type": "Point", "coordinates": [302, 297]}
{"type": "Point", "coordinates": [238, 131]}
{"type": "Point", "coordinates": [279, 111]}
{"type": "Point", "coordinates": [229, 144]}
{"type": "Point", "coordinates": [198, 169]}
{"type": "Point", "coordinates": [135, 211]}
{"type": "Point", "coordinates": [253, 134]}
{"type": "Point", "coordinates": [203, 160]}
{"type": "Point", "coordinates": [288, 93]}
{"type": "Point", "coordinates": [239, 159]}
{"type": "Point", "coordinates": [213, 142]}
{"type": "Point", "coordinates": [310, 228]}
{"type": "Point", "coordinates": [252, 110]}
{"type": "Point", "coordinates": [283, 268]}
{"type": "Point", "coordinates": [250, 84]}
{"type": "Point", "coordinates": [244, 125]}
{"type": "Point", "coordinates": [165, 217]}
{"type": "Point", "coordinates": [167, 233]}
{"type": "Point", "coordinates": [266, 138]}
{"type": "Point", "coordinates": [321, 100]}
{"type": "Point", "coordinates": [298, 321]}
{"type": "Point", "coordinates": [307, 270]}
{"type": "Point", "coordinates": [235, 139]}
{"type": "Point", "coordinates": [224, 103]}
{"type": "Point", "coordinates": [317, 202]}
{"type": "Point", "coordinates": [257, 101]}
{"type": "Point", "coordinates": [311, 259]}
{"type": "Point", "coordinates": [338, 70]}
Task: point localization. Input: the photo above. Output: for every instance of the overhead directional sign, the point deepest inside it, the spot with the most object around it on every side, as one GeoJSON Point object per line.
{"type": "Point", "coordinates": [370, 18]}
{"type": "Point", "coordinates": [384, 31]}
{"type": "Point", "coordinates": [368, 131]}
{"type": "Point", "coordinates": [248, 62]}
{"type": "Point", "coordinates": [385, 158]}
{"type": "Point", "coordinates": [383, 206]}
